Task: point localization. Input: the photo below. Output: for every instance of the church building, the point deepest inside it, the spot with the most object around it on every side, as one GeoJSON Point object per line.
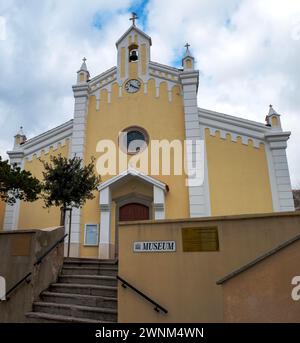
{"type": "Point", "coordinates": [159, 154]}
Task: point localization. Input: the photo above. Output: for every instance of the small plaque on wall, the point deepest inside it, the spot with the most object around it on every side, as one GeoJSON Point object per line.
{"type": "Point", "coordinates": [200, 239]}
{"type": "Point", "coordinates": [154, 246]}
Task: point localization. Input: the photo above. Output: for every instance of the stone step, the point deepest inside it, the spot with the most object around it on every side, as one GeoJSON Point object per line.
{"type": "Point", "coordinates": [79, 299]}
{"type": "Point", "coordinates": [42, 317]}
{"type": "Point", "coordinates": [84, 289]}
{"type": "Point", "coordinates": [80, 262]}
{"type": "Point", "coordinates": [89, 279]}
{"type": "Point", "coordinates": [77, 311]}
{"type": "Point", "coordinates": [103, 270]}
{"type": "Point", "coordinates": [89, 259]}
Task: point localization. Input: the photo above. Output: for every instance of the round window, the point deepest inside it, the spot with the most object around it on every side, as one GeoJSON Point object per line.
{"type": "Point", "coordinates": [133, 140]}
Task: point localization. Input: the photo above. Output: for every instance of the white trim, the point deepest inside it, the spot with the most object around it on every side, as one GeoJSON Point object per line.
{"type": "Point", "coordinates": [158, 203]}
{"type": "Point", "coordinates": [199, 200]}
{"type": "Point", "coordinates": [164, 68]}
{"type": "Point", "coordinates": [11, 215]}
{"type": "Point", "coordinates": [234, 126]}
{"type": "Point", "coordinates": [133, 28]}
{"type": "Point", "coordinates": [81, 93]}
{"type": "Point", "coordinates": [272, 178]}
{"type": "Point", "coordinates": [226, 120]}
{"type": "Point", "coordinates": [132, 172]}
{"type": "Point", "coordinates": [45, 141]}
{"type": "Point", "coordinates": [280, 182]}
{"type": "Point", "coordinates": [97, 243]}
{"type": "Point", "coordinates": [99, 78]}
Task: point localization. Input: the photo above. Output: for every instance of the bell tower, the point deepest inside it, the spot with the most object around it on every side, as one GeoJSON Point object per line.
{"type": "Point", "coordinates": [133, 53]}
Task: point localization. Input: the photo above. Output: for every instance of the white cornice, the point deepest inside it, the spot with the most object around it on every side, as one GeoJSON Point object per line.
{"type": "Point", "coordinates": [164, 68]}
{"type": "Point", "coordinates": [244, 127]}
{"type": "Point", "coordinates": [134, 173]}
{"type": "Point", "coordinates": [133, 28]}
{"type": "Point", "coordinates": [45, 140]}
{"type": "Point", "coordinates": [108, 73]}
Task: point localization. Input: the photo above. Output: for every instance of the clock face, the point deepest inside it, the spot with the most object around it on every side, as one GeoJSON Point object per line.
{"type": "Point", "coordinates": [133, 86]}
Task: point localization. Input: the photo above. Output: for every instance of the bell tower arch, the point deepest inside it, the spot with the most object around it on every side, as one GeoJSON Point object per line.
{"type": "Point", "coordinates": [133, 53]}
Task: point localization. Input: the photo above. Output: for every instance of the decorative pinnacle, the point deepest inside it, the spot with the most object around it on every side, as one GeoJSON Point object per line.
{"type": "Point", "coordinates": [84, 59]}
{"type": "Point", "coordinates": [272, 111]}
{"type": "Point", "coordinates": [21, 131]}
{"type": "Point", "coordinates": [133, 18]}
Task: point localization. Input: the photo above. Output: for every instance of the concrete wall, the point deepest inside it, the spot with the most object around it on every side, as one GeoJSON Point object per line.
{"type": "Point", "coordinates": [185, 282]}
{"type": "Point", "coordinates": [263, 292]}
{"type": "Point", "coordinates": [18, 252]}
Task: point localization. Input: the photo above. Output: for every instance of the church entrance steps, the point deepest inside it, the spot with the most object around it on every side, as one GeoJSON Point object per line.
{"type": "Point", "coordinates": [41, 317]}
{"type": "Point", "coordinates": [97, 313]}
{"type": "Point", "coordinates": [85, 262]}
{"type": "Point", "coordinates": [89, 279]}
{"type": "Point", "coordinates": [79, 299]}
{"type": "Point", "coordinates": [105, 291]}
{"type": "Point", "coordinates": [103, 270]}
{"type": "Point", "coordinates": [86, 291]}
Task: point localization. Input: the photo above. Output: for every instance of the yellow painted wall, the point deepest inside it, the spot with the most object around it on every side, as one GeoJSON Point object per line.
{"type": "Point", "coordinates": [238, 176]}
{"type": "Point", "coordinates": [185, 282]}
{"type": "Point", "coordinates": [149, 112]}
{"type": "Point", "coordinates": [2, 211]}
{"type": "Point", "coordinates": [33, 215]}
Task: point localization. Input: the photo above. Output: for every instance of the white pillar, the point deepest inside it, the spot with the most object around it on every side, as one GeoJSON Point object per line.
{"type": "Point", "coordinates": [194, 134]}
{"type": "Point", "coordinates": [281, 182]}
{"type": "Point", "coordinates": [105, 224]}
{"type": "Point", "coordinates": [77, 148]}
{"type": "Point", "coordinates": [11, 216]}
{"type": "Point", "coordinates": [158, 203]}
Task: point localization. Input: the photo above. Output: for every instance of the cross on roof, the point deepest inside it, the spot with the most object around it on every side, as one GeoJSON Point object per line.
{"type": "Point", "coordinates": [133, 18]}
{"type": "Point", "coordinates": [84, 59]}
{"type": "Point", "coordinates": [187, 45]}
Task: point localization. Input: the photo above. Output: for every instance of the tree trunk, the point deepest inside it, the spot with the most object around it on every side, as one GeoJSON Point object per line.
{"type": "Point", "coordinates": [62, 216]}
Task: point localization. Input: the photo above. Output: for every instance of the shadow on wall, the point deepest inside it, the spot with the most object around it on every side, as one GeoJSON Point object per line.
{"type": "Point", "coordinates": [19, 250]}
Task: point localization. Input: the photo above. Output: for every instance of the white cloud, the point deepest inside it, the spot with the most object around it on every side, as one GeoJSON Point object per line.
{"type": "Point", "coordinates": [247, 52]}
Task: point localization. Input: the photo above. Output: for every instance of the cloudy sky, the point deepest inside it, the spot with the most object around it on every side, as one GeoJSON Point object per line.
{"type": "Point", "coordinates": [247, 51]}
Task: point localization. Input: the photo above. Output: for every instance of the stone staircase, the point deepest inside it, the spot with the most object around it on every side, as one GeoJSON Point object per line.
{"type": "Point", "coordinates": [86, 292]}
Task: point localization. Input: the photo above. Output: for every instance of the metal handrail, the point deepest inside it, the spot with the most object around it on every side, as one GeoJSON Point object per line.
{"type": "Point", "coordinates": [17, 284]}
{"type": "Point", "coordinates": [40, 259]}
{"type": "Point", "coordinates": [157, 307]}
{"type": "Point", "coordinates": [37, 262]}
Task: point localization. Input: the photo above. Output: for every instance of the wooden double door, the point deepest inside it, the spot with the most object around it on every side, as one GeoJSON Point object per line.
{"type": "Point", "coordinates": [133, 211]}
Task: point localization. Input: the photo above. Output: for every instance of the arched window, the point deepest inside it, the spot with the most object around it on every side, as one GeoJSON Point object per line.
{"type": "Point", "coordinates": [133, 140]}
{"type": "Point", "coordinates": [133, 53]}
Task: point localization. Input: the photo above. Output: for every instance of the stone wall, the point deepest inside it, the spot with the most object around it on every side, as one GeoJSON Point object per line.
{"type": "Point", "coordinates": [19, 250]}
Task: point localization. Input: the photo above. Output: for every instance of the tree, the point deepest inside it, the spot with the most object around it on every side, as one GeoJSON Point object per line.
{"type": "Point", "coordinates": [17, 184]}
{"type": "Point", "coordinates": [67, 184]}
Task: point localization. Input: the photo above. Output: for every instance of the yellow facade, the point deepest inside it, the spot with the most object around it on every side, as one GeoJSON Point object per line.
{"type": "Point", "coordinates": [35, 215]}
{"type": "Point", "coordinates": [152, 114]}
{"type": "Point", "coordinates": [238, 176]}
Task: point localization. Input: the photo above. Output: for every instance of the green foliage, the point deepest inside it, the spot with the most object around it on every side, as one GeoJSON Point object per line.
{"type": "Point", "coordinates": [17, 184]}
{"type": "Point", "coordinates": [67, 182]}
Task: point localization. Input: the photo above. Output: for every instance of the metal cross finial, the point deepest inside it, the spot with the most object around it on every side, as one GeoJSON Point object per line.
{"type": "Point", "coordinates": [187, 45]}
{"type": "Point", "coordinates": [133, 18]}
{"type": "Point", "coordinates": [84, 59]}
